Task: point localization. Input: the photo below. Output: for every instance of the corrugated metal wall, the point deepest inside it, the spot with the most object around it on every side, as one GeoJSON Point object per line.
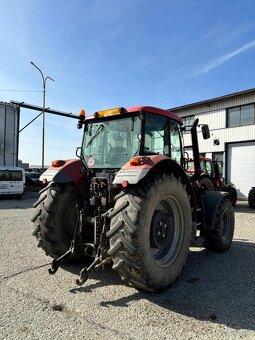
{"type": "Point", "coordinates": [221, 104]}
{"type": "Point", "coordinates": [9, 126]}
{"type": "Point", "coordinates": [214, 114]}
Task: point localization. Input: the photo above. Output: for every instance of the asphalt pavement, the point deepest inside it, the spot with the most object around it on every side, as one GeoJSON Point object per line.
{"type": "Point", "coordinates": [213, 299]}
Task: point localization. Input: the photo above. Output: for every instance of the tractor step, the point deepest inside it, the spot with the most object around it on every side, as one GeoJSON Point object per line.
{"type": "Point", "coordinates": [197, 241]}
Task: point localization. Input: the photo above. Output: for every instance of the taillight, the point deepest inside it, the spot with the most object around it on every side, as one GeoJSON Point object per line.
{"type": "Point", "coordinates": [57, 163]}
{"type": "Point", "coordinates": [135, 161]}
{"type": "Point", "coordinates": [139, 161]}
{"type": "Point", "coordinates": [124, 184]}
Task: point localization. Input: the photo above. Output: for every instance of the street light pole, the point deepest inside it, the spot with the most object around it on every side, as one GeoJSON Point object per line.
{"type": "Point", "coordinates": [44, 79]}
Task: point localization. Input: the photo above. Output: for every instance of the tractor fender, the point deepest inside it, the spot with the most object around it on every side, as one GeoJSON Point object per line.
{"type": "Point", "coordinates": [68, 171]}
{"type": "Point", "coordinates": [133, 174]}
{"type": "Point", "coordinates": [211, 201]}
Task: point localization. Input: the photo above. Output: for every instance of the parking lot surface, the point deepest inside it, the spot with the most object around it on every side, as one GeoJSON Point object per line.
{"type": "Point", "coordinates": [213, 299]}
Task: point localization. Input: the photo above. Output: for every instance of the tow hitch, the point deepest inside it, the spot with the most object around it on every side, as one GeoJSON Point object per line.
{"type": "Point", "coordinates": [101, 254]}
{"type": "Point", "coordinates": [101, 257]}
{"type": "Point", "coordinates": [75, 244]}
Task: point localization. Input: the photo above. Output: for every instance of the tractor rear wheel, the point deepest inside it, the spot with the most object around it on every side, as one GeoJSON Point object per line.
{"type": "Point", "coordinates": [251, 198]}
{"type": "Point", "coordinates": [220, 238]}
{"type": "Point", "coordinates": [150, 233]}
{"type": "Point", "coordinates": [232, 193]}
{"type": "Point", "coordinates": [55, 217]}
{"type": "Point", "coordinates": [207, 182]}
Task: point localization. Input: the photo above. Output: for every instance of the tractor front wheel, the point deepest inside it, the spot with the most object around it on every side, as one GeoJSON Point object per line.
{"type": "Point", "coordinates": [55, 217]}
{"type": "Point", "coordinates": [150, 233]}
{"type": "Point", "coordinates": [207, 183]}
{"type": "Point", "coordinates": [220, 238]}
{"type": "Point", "coordinates": [232, 193]}
{"type": "Point", "coordinates": [251, 198]}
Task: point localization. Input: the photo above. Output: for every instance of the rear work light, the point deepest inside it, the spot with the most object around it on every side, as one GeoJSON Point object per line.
{"type": "Point", "coordinates": [82, 115]}
{"type": "Point", "coordinates": [57, 163]}
{"type": "Point", "coordinates": [110, 112]}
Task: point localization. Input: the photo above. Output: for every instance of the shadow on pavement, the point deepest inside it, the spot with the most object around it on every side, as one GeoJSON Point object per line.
{"type": "Point", "coordinates": [25, 202]}
{"type": "Point", "coordinates": [215, 287]}
{"type": "Point", "coordinates": [243, 207]}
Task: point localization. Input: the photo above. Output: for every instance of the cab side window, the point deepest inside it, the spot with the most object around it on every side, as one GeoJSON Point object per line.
{"type": "Point", "coordinates": [176, 151]}
{"type": "Point", "coordinates": [156, 135]}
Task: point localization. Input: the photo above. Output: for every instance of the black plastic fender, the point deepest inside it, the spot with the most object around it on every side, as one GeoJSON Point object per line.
{"type": "Point", "coordinates": [211, 201]}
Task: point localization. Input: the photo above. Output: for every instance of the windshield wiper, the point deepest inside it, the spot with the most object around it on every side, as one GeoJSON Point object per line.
{"type": "Point", "coordinates": [95, 134]}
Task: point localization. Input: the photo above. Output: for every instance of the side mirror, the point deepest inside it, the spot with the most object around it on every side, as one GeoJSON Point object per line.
{"type": "Point", "coordinates": [185, 163]}
{"type": "Point", "coordinates": [205, 131]}
{"type": "Point", "coordinates": [79, 125]}
{"type": "Point", "coordinates": [186, 160]}
{"type": "Point", "coordinates": [79, 152]}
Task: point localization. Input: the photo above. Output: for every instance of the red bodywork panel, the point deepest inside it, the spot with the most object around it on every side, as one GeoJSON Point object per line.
{"type": "Point", "coordinates": [69, 172]}
{"type": "Point", "coordinates": [157, 111]}
{"type": "Point", "coordinates": [140, 166]}
{"type": "Point", "coordinates": [147, 162]}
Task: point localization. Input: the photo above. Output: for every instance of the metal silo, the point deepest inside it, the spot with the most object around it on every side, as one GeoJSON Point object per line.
{"type": "Point", "coordinates": [9, 134]}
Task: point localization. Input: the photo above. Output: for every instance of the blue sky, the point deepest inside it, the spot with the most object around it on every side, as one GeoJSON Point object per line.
{"type": "Point", "coordinates": [109, 53]}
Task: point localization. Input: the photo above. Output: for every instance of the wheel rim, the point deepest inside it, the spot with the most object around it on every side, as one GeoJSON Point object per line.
{"type": "Point", "coordinates": [166, 232]}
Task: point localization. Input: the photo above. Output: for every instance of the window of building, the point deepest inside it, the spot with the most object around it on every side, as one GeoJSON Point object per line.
{"type": "Point", "coordinates": [247, 114]}
{"type": "Point", "coordinates": [241, 115]}
{"type": "Point", "coordinates": [188, 121]}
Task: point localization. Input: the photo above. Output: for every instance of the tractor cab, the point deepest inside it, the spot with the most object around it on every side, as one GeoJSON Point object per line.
{"type": "Point", "coordinates": [112, 137]}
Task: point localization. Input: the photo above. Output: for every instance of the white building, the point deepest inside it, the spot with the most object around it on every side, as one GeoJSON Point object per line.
{"type": "Point", "coordinates": [231, 119]}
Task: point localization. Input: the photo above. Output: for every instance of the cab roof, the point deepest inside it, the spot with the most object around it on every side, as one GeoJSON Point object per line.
{"type": "Point", "coordinates": [151, 109]}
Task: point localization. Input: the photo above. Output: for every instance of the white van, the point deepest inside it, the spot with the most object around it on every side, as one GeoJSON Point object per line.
{"type": "Point", "coordinates": [12, 181]}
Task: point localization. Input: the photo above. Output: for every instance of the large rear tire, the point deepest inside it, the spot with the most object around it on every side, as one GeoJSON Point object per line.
{"type": "Point", "coordinates": [220, 238]}
{"type": "Point", "coordinates": [251, 198]}
{"type": "Point", "coordinates": [232, 193]}
{"type": "Point", "coordinates": [150, 233]}
{"type": "Point", "coordinates": [55, 217]}
{"type": "Point", "coordinates": [207, 182]}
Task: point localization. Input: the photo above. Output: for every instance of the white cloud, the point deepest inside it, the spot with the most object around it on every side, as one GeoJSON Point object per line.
{"type": "Point", "coordinates": [222, 60]}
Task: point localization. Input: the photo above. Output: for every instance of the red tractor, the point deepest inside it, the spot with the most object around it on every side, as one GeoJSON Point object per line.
{"type": "Point", "coordinates": [211, 178]}
{"type": "Point", "coordinates": [128, 200]}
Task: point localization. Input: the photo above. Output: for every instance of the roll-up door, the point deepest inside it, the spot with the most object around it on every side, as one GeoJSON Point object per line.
{"type": "Point", "coordinates": [241, 167]}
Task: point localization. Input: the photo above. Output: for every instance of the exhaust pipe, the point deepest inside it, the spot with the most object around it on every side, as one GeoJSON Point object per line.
{"type": "Point", "coordinates": [195, 149]}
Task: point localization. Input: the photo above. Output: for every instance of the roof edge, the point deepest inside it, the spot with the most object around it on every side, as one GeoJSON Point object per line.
{"type": "Point", "coordinates": [212, 99]}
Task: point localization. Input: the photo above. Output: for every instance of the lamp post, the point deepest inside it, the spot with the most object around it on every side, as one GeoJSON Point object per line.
{"type": "Point", "coordinates": [44, 79]}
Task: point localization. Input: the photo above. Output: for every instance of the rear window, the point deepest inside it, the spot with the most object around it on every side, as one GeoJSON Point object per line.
{"type": "Point", "coordinates": [10, 175]}
{"type": "Point", "coordinates": [4, 175]}
{"type": "Point", "coordinates": [16, 175]}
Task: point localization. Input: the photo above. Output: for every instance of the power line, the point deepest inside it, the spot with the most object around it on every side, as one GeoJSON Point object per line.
{"type": "Point", "coordinates": [21, 90]}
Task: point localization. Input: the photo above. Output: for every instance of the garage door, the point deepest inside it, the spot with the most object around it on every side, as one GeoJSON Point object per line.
{"type": "Point", "coordinates": [241, 167]}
